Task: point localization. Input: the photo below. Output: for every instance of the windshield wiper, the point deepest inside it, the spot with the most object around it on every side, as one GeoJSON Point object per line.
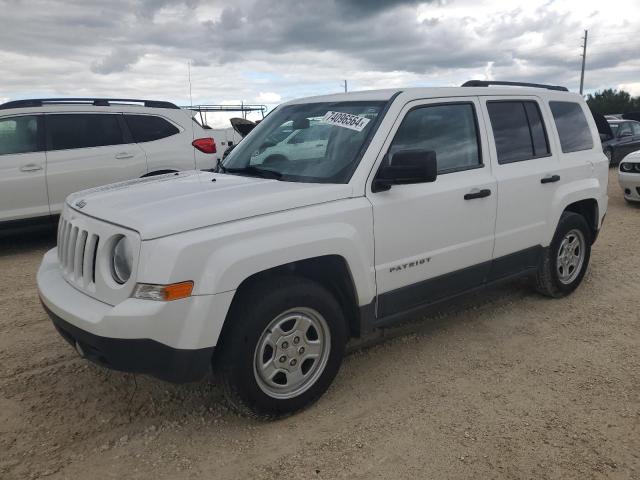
{"type": "Point", "coordinates": [255, 171]}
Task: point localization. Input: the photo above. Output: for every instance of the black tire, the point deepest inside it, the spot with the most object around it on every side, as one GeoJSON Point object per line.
{"type": "Point", "coordinates": [257, 305]}
{"type": "Point", "coordinates": [547, 277]}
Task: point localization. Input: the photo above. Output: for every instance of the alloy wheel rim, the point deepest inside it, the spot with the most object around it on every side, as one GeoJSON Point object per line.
{"type": "Point", "coordinates": [570, 256]}
{"type": "Point", "coordinates": [292, 353]}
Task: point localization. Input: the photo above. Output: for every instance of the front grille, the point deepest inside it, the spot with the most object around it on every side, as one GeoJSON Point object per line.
{"type": "Point", "coordinates": [77, 249]}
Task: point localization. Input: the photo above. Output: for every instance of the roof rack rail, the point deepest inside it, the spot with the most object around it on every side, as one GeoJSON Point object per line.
{"type": "Point", "coordinates": [98, 102]}
{"type": "Point", "coordinates": [486, 83]}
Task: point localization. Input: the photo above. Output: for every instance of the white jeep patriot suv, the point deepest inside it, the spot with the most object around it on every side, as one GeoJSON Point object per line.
{"type": "Point", "coordinates": [263, 269]}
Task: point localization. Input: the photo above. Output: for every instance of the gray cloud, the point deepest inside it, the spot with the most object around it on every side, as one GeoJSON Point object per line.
{"type": "Point", "coordinates": [297, 47]}
{"type": "Point", "coordinates": [117, 61]}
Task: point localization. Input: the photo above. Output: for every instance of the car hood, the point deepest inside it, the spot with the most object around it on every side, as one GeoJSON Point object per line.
{"type": "Point", "coordinates": [177, 202]}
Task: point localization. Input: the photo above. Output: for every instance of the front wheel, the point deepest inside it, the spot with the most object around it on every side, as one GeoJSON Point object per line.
{"type": "Point", "coordinates": [283, 348]}
{"type": "Point", "coordinates": [565, 261]}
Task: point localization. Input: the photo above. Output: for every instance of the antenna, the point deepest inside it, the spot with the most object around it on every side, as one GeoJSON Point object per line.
{"type": "Point", "coordinates": [189, 70]}
{"type": "Point", "coordinates": [345, 86]}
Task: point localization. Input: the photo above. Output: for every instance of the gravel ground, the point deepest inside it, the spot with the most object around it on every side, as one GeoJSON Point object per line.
{"type": "Point", "coordinates": [506, 384]}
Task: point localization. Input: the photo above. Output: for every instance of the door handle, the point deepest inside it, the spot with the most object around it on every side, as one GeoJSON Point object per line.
{"type": "Point", "coordinates": [475, 193]}
{"type": "Point", "coordinates": [123, 155]}
{"type": "Point", "coordinates": [550, 179]}
{"type": "Point", "coordinates": [31, 167]}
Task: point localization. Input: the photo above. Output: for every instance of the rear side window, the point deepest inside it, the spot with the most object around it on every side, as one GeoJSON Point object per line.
{"type": "Point", "coordinates": [80, 130]}
{"type": "Point", "coordinates": [518, 130]}
{"type": "Point", "coordinates": [636, 128]}
{"type": "Point", "coordinates": [147, 128]}
{"type": "Point", "coordinates": [449, 130]}
{"type": "Point", "coordinates": [572, 126]}
{"type": "Point", "coordinates": [19, 135]}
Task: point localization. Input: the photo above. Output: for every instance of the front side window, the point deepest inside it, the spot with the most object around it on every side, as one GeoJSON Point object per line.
{"type": "Point", "coordinates": [82, 130]}
{"type": "Point", "coordinates": [311, 142]}
{"type": "Point", "coordinates": [518, 130]}
{"type": "Point", "coordinates": [19, 135]}
{"type": "Point", "coordinates": [147, 128]}
{"type": "Point", "coordinates": [636, 128]}
{"type": "Point", "coordinates": [449, 130]}
{"type": "Point", "coordinates": [572, 126]}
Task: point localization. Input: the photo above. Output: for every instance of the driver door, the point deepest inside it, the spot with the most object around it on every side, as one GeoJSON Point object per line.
{"type": "Point", "coordinates": [434, 240]}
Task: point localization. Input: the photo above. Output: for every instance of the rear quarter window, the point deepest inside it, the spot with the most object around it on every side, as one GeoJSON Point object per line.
{"type": "Point", "coordinates": [147, 128]}
{"type": "Point", "coordinates": [572, 126]}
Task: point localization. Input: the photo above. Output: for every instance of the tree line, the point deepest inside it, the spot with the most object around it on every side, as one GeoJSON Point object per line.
{"type": "Point", "coordinates": [610, 101]}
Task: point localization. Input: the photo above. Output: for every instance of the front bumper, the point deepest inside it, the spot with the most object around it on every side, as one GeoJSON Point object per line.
{"type": "Point", "coordinates": [630, 184]}
{"type": "Point", "coordinates": [136, 355]}
{"type": "Point", "coordinates": [173, 341]}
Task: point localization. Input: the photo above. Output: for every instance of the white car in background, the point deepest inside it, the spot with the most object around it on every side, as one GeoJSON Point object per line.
{"type": "Point", "coordinates": [294, 142]}
{"type": "Point", "coordinates": [50, 148]}
{"type": "Point", "coordinates": [629, 177]}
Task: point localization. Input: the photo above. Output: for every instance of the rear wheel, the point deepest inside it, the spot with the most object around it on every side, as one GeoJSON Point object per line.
{"type": "Point", "coordinates": [283, 348]}
{"type": "Point", "coordinates": [565, 261]}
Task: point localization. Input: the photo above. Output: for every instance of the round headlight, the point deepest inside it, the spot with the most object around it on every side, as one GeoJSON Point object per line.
{"type": "Point", "coordinates": [626, 167]}
{"type": "Point", "coordinates": [122, 261]}
{"type": "Point", "coordinates": [637, 167]}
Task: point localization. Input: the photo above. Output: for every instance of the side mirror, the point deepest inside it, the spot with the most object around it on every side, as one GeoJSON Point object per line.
{"type": "Point", "coordinates": [406, 167]}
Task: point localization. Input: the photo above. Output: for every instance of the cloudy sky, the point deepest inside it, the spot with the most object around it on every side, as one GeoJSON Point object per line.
{"type": "Point", "coordinates": [268, 51]}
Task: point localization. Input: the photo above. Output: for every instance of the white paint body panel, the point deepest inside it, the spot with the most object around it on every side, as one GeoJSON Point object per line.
{"type": "Point", "coordinates": [23, 186]}
{"type": "Point", "coordinates": [217, 230]}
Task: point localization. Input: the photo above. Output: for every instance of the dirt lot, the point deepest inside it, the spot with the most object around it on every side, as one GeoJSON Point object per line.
{"type": "Point", "coordinates": [506, 385]}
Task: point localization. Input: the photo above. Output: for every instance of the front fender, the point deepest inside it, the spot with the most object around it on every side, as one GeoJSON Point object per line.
{"type": "Point", "coordinates": [219, 258]}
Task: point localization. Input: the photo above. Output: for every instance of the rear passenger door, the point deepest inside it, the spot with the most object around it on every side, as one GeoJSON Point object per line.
{"type": "Point", "coordinates": [85, 150]}
{"type": "Point", "coordinates": [167, 146]}
{"type": "Point", "coordinates": [525, 167]}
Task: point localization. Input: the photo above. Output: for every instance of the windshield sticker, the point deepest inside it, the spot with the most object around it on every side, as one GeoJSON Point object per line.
{"type": "Point", "coordinates": [346, 120]}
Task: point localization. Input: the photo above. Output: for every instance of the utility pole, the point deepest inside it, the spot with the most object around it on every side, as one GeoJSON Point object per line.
{"type": "Point", "coordinates": [345, 86]}
{"type": "Point", "coordinates": [584, 59]}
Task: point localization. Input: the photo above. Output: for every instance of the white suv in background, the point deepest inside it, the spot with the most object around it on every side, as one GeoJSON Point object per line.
{"type": "Point", "coordinates": [50, 148]}
{"type": "Point", "coordinates": [263, 270]}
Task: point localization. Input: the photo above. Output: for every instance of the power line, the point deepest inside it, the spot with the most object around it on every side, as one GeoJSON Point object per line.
{"type": "Point", "coordinates": [584, 59]}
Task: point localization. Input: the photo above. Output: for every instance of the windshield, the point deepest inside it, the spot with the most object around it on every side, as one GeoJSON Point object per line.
{"type": "Point", "coordinates": [312, 142]}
